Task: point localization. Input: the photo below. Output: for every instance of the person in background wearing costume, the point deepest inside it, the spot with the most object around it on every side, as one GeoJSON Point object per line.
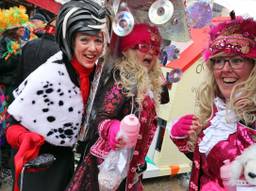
{"type": "Point", "coordinates": [40, 19]}
{"type": "Point", "coordinates": [37, 51]}
{"type": "Point", "coordinates": [135, 76]}
{"type": "Point", "coordinates": [49, 104]}
{"type": "Point", "coordinates": [11, 29]}
{"type": "Point", "coordinates": [226, 123]}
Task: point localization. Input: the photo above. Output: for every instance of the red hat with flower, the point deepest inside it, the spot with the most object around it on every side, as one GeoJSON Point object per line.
{"type": "Point", "coordinates": [236, 36]}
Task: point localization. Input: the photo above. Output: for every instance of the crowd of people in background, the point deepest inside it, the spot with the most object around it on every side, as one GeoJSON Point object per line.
{"type": "Point", "coordinates": [22, 38]}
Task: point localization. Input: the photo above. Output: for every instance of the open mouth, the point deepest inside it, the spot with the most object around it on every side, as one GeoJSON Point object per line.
{"type": "Point", "coordinates": [89, 57]}
{"type": "Point", "coordinates": [229, 80]}
{"type": "Point", "coordinates": [147, 61]}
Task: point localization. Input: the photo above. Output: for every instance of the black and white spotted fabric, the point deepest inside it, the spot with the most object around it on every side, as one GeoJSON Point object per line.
{"type": "Point", "coordinates": [48, 102]}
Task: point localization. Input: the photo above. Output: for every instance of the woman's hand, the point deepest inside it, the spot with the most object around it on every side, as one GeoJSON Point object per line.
{"type": "Point", "coordinates": [185, 126]}
{"type": "Point", "coordinates": [115, 139]}
{"type": "Point", "coordinates": [120, 142]}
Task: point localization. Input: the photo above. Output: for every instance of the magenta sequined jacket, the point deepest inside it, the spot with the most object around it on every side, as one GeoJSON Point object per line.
{"type": "Point", "coordinates": [113, 104]}
{"type": "Point", "coordinates": [206, 167]}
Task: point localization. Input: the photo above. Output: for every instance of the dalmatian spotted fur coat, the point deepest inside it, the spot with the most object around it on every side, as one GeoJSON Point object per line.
{"type": "Point", "coordinates": [49, 103]}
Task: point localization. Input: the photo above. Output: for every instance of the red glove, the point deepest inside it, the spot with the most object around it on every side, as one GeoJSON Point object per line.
{"type": "Point", "coordinates": [112, 133]}
{"type": "Point", "coordinates": [184, 126]}
{"type": "Point", "coordinates": [28, 145]}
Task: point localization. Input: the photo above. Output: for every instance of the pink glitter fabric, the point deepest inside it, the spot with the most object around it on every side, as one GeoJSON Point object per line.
{"type": "Point", "coordinates": [206, 168]}
{"type": "Point", "coordinates": [236, 36]}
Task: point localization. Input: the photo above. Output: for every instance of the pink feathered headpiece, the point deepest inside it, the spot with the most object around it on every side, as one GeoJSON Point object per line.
{"type": "Point", "coordinates": [237, 36]}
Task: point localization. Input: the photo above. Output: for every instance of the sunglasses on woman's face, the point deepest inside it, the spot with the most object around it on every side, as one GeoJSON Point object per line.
{"type": "Point", "coordinates": [145, 48]}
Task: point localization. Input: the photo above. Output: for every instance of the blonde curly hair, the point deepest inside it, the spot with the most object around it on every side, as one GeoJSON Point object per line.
{"type": "Point", "coordinates": [206, 93]}
{"type": "Point", "coordinates": [134, 75]}
{"type": "Point", "coordinates": [243, 99]}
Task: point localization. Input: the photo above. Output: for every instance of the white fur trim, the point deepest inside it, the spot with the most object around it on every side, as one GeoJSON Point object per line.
{"type": "Point", "coordinates": [242, 165]}
{"type": "Point", "coordinates": [48, 103]}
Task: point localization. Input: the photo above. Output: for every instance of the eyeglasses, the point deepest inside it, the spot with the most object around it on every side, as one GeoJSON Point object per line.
{"type": "Point", "coordinates": [143, 47]}
{"type": "Point", "coordinates": [234, 62]}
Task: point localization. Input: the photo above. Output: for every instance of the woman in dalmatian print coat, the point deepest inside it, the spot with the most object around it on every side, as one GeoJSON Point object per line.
{"type": "Point", "coordinates": [50, 102]}
{"type": "Point", "coordinates": [134, 83]}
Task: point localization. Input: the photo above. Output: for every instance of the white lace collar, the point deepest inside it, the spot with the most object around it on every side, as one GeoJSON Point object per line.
{"type": "Point", "coordinates": [222, 125]}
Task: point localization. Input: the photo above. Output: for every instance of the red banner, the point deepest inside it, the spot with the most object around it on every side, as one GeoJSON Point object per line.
{"type": "Point", "coordinates": [49, 5]}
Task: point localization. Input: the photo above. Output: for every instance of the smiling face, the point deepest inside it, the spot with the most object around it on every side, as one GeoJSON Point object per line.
{"type": "Point", "coordinates": [88, 48]}
{"type": "Point", "coordinates": [233, 71]}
